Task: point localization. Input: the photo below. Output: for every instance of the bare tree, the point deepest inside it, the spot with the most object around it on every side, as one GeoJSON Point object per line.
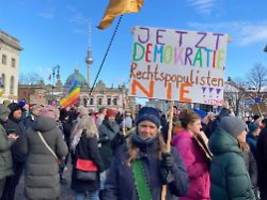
{"type": "Point", "coordinates": [235, 92]}
{"type": "Point", "coordinates": [30, 78]}
{"type": "Point", "coordinates": [257, 80]}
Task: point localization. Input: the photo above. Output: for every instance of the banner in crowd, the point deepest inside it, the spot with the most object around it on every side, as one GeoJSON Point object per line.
{"type": "Point", "coordinates": [184, 66]}
{"type": "Point", "coordinates": [260, 108]}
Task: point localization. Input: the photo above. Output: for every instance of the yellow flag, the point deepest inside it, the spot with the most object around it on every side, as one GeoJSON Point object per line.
{"type": "Point", "coordinates": [119, 7]}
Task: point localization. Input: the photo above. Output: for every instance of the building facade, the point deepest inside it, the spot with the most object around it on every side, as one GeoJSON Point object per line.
{"type": "Point", "coordinates": [9, 66]}
{"type": "Point", "coordinates": [102, 96]}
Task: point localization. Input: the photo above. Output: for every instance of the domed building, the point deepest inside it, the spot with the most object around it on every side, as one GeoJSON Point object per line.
{"type": "Point", "coordinates": [76, 75]}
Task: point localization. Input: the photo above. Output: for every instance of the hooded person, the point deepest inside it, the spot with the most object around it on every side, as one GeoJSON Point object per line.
{"type": "Point", "coordinates": [141, 166]}
{"type": "Point", "coordinates": [52, 112]}
{"type": "Point", "coordinates": [107, 132]}
{"type": "Point", "coordinates": [5, 145]}
{"type": "Point", "coordinates": [42, 180]}
{"type": "Point", "coordinates": [229, 176]}
{"type": "Point", "coordinates": [15, 126]}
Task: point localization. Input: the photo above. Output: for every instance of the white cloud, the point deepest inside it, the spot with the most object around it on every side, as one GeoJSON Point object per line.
{"type": "Point", "coordinates": [79, 21]}
{"type": "Point", "coordinates": [242, 33]}
{"type": "Point", "coordinates": [202, 6]}
{"type": "Point", "coordinates": [47, 14]}
{"type": "Point", "coordinates": [253, 33]}
{"type": "Point", "coordinates": [76, 17]}
{"type": "Point", "coordinates": [80, 31]}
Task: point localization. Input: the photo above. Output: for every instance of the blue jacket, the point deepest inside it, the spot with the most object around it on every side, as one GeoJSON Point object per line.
{"type": "Point", "coordinates": [252, 142]}
{"type": "Point", "coordinates": [120, 183]}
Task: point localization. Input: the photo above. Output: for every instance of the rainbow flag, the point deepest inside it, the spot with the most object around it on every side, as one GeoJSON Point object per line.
{"type": "Point", "coordinates": [73, 94]}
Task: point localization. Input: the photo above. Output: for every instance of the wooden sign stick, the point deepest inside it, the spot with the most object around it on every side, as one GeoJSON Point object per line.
{"type": "Point", "coordinates": [168, 147]}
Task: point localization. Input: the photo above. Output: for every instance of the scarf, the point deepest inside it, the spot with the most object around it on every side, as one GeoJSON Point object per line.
{"type": "Point", "coordinates": [138, 170]}
{"type": "Point", "coordinates": [140, 180]}
{"type": "Point", "coordinates": [143, 144]}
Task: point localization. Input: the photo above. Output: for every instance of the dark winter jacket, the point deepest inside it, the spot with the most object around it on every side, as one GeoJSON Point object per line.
{"type": "Point", "coordinates": [5, 154]}
{"type": "Point", "coordinates": [251, 167]}
{"type": "Point", "coordinates": [28, 121]}
{"type": "Point", "coordinates": [67, 128]}
{"type": "Point", "coordinates": [16, 126]}
{"type": "Point", "coordinates": [261, 158]}
{"type": "Point", "coordinates": [208, 128]}
{"type": "Point", "coordinates": [252, 142]}
{"type": "Point", "coordinates": [229, 176]}
{"type": "Point", "coordinates": [41, 171]}
{"type": "Point", "coordinates": [87, 150]}
{"type": "Point", "coordinates": [120, 184]}
{"type": "Point", "coordinates": [107, 132]}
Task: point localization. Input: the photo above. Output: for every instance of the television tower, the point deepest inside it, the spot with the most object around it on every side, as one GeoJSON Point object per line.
{"type": "Point", "coordinates": [89, 56]}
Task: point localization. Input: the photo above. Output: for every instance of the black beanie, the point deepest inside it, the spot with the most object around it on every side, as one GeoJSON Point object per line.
{"type": "Point", "coordinates": [13, 107]}
{"type": "Point", "coordinates": [149, 114]}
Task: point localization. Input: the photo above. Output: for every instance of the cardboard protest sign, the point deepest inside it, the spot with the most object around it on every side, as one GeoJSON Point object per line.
{"type": "Point", "coordinates": [259, 108]}
{"type": "Point", "coordinates": [185, 66]}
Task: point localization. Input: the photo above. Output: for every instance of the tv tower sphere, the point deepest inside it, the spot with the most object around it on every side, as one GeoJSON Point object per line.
{"type": "Point", "coordinates": [89, 58]}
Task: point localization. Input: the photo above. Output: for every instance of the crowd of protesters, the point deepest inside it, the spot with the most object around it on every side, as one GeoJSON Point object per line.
{"type": "Point", "coordinates": [123, 156]}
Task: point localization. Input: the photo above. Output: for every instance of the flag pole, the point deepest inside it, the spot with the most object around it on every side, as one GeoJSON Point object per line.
{"type": "Point", "coordinates": [124, 116]}
{"type": "Point", "coordinates": [259, 110]}
{"type": "Point", "coordinates": [106, 53]}
{"type": "Point", "coordinates": [168, 147]}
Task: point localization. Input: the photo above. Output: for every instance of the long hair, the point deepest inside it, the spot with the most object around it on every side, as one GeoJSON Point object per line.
{"type": "Point", "coordinates": [243, 146]}
{"type": "Point", "coordinates": [133, 150]}
{"type": "Point", "coordinates": [85, 125]}
{"type": "Point", "coordinates": [90, 128]}
{"type": "Point", "coordinates": [187, 117]}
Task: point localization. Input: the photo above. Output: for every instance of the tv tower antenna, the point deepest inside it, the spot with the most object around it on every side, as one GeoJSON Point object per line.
{"type": "Point", "coordinates": [89, 56]}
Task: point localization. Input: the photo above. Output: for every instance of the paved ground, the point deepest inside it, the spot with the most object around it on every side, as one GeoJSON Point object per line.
{"type": "Point", "coordinates": [66, 192]}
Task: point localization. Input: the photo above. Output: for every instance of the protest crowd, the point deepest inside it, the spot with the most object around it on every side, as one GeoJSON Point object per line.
{"type": "Point", "coordinates": [144, 153]}
{"type": "Point", "coordinates": [121, 155]}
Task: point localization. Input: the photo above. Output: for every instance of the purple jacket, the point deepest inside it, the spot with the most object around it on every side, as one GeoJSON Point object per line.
{"type": "Point", "coordinates": [196, 165]}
